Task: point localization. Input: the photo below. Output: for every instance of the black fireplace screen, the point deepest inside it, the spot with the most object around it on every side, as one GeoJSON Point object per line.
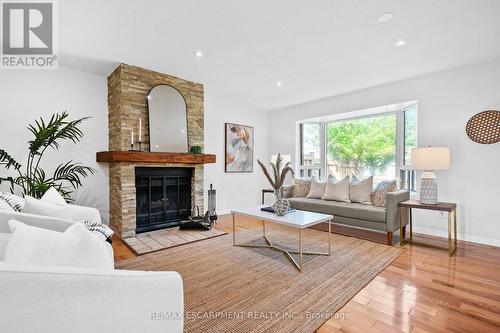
{"type": "Point", "coordinates": [163, 197]}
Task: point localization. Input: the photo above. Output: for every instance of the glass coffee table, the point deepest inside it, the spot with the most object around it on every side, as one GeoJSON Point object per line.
{"type": "Point", "coordinates": [297, 219]}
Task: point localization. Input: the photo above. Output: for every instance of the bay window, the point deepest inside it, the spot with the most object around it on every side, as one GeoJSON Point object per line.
{"type": "Point", "coordinates": [376, 144]}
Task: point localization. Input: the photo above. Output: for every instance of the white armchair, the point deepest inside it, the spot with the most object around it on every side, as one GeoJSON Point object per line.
{"type": "Point", "coordinates": [74, 299]}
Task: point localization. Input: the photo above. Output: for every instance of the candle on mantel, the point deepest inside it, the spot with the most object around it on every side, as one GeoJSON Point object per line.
{"type": "Point", "coordinates": [140, 130]}
{"type": "Point", "coordinates": [131, 137]}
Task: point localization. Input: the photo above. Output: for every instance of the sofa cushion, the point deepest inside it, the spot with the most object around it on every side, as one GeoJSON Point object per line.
{"type": "Point", "coordinates": [301, 187]}
{"type": "Point", "coordinates": [379, 195]}
{"type": "Point", "coordinates": [4, 239]}
{"type": "Point", "coordinates": [74, 247]}
{"type": "Point", "coordinates": [317, 189]}
{"type": "Point", "coordinates": [337, 208]}
{"type": "Point", "coordinates": [54, 197]}
{"type": "Point", "coordinates": [338, 191]}
{"type": "Point", "coordinates": [360, 191]}
{"type": "Point", "coordinates": [14, 201]}
{"type": "Point", "coordinates": [39, 207]}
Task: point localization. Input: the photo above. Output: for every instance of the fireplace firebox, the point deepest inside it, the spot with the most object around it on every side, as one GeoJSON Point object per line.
{"type": "Point", "coordinates": [163, 197]}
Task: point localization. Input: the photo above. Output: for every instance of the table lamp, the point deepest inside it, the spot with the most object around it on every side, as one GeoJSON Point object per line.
{"type": "Point", "coordinates": [429, 159]}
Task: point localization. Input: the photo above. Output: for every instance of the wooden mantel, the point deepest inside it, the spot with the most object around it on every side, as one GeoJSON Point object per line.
{"type": "Point", "coordinates": [153, 157]}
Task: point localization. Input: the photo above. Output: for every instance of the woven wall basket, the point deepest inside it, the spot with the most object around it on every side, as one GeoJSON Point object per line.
{"type": "Point", "coordinates": [484, 127]}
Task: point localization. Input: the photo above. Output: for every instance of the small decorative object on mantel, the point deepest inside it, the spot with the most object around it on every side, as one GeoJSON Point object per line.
{"type": "Point", "coordinates": [195, 150]}
{"type": "Point", "coordinates": [484, 127]}
{"type": "Point", "coordinates": [280, 171]}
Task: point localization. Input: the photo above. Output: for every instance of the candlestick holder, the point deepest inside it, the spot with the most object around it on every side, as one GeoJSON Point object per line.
{"type": "Point", "coordinates": [140, 145]}
{"type": "Point", "coordinates": [131, 147]}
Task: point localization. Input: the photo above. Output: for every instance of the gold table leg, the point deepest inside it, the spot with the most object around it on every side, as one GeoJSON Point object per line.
{"type": "Point", "coordinates": [452, 241]}
{"type": "Point", "coordinates": [455, 223]}
{"type": "Point", "coordinates": [449, 233]}
{"type": "Point", "coordinates": [411, 224]}
{"type": "Point", "coordinates": [329, 237]}
{"type": "Point", "coordinates": [301, 248]}
{"type": "Point", "coordinates": [286, 252]}
{"type": "Point", "coordinates": [402, 237]}
{"type": "Point", "coordinates": [234, 232]}
{"type": "Point", "coordinates": [452, 244]}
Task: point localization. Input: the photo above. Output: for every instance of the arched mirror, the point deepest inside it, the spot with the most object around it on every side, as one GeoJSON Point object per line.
{"type": "Point", "coordinates": [167, 120]}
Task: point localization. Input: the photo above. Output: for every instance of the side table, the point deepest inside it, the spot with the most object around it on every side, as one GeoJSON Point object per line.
{"type": "Point", "coordinates": [264, 191]}
{"type": "Point", "coordinates": [449, 207]}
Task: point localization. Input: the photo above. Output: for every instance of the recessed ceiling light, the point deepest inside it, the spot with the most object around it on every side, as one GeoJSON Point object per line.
{"type": "Point", "coordinates": [400, 43]}
{"type": "Point", "coordinates": [279, 84]}
{"type": "Point", "coordinates": [199, 54]}
{"type": "Point", "coordinates": [385, 17]}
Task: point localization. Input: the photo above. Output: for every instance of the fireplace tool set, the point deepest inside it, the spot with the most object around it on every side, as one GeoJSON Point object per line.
{"type": "Point", "coordinates": [204, 222]}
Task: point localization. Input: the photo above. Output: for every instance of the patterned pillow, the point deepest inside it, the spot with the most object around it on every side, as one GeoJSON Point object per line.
{"type": "Point", "coordinates": [301, 187]}
{"type": "Point", "coordinates": [14, 201]}
{"type": "Point", "coordinates": [100, 228]}
{"type": "Point", "coordinates": [379, 194]}
{"type": "Point", "coordinates": [4, 206]}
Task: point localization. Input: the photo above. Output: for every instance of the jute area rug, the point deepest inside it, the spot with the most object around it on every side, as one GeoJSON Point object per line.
{"type": "Point", "coordinates": [236, 289]}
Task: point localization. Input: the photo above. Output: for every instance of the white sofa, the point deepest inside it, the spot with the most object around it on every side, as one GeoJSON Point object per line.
{"type": "Point", "coordinates": [74, 299]}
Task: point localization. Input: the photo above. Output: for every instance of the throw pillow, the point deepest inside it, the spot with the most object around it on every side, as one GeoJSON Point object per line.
{"type": "Point", "coordinates": [54, 197]}
{"type": "Point", "coordinates": [301, 187]}
{"type": "Point", "coordinates": [317, 189]}
{"type": "Point", "coordinates": [287, 191]}
{"type": "Point", "coordinates": [4, 206]}
{"type": "Point", "coordinates": [74, 247]}
{"type": "Point", "coordinates": [378, 197]}
{"type": "Point", "coordinates": [39, 207]}
{"type": "Point", "coordinates": [14, 201]}
{"type": "Point", "coordinates": [101, 230]}
{"type": "Point", "coordinates": [337, 191]}
{"type": "Point", "coordinates": [360, 191]}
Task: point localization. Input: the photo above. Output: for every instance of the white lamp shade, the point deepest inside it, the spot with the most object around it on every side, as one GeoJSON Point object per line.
{"type": "Point", "coordinates": [430, 158]}
{"type": "Point", "coordinates": [285, 158]}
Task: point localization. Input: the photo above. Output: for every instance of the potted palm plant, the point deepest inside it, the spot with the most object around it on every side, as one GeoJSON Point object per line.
{"type": "Point", "coordinates": [32, 179]}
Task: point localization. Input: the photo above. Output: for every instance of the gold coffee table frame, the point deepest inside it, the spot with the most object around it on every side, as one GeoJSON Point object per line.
{"type": "Point", "coordinates": [287, 252]}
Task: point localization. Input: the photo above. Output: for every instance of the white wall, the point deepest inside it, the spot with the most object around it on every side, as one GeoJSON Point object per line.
{"type": "Point", "coordinates": [233, 189]}
{"type": "Point", "coordinates": [31, 94]}
{"type": "Point", "coordinates": [446, 100]}
{"type": "Point", "coordinates": [26, 95]}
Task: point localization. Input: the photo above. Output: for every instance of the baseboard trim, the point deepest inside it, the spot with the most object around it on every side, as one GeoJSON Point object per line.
{"type": "Point", "coordinates": [426, 231]}
{"type": "Point", "coordinates": [462, 237]}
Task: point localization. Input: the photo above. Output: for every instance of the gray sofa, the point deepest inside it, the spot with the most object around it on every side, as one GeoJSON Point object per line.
{"type": "Point", "coordinates": [384, 219]}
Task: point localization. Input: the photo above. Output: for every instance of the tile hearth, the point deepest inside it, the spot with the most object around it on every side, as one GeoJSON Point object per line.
{"type": "Point", "coordinates": [166, 238]}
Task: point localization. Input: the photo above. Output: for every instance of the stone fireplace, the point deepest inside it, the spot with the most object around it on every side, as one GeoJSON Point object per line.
{"type": "Point", "coordinates": [128, 88]}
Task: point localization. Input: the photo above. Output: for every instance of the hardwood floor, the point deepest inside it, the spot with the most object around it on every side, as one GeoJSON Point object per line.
{"type": "Point", "coordinates": [422, 291]}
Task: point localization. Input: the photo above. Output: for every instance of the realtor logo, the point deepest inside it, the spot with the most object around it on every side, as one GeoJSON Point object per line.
{"type": "Point", "coordinates": [28, 35]}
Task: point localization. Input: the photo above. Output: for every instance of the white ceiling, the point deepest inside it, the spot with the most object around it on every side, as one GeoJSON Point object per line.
{"type": "Point", "coordinates": [317, 48]}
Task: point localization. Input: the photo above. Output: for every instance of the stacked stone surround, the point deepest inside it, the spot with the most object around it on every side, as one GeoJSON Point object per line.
{"type": "Point", "coordinates": [128, 88]}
